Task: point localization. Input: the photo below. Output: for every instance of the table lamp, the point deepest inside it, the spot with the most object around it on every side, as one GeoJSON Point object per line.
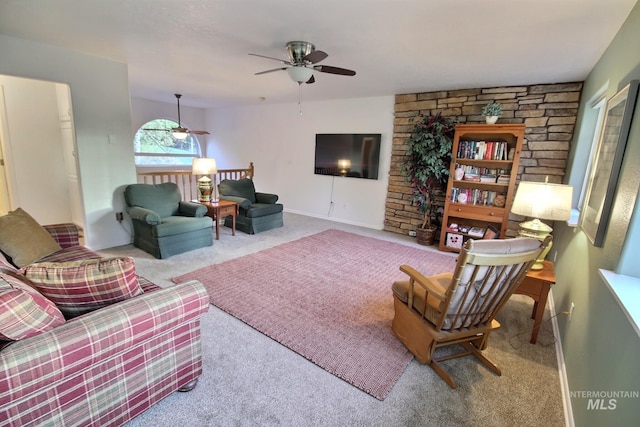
{"type": "Point", "coordinates": [541, 200]}
{"type": "Point", "coordinates": [205, 167]}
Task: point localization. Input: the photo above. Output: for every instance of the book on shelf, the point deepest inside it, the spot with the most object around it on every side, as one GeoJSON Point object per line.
{"type": "Point", "coordinates": [479, 170]}
{"type": "Point", "coordinates": [488, 178]}
{"type": "Point", "coordinates": [503, 179]}
{"type": "Point", "coordinates": [476, 232]}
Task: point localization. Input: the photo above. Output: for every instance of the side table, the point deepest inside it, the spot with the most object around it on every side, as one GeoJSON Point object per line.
{"type": "Point", "coordinates": [536, 285]}
{"type": "Point", "coordinates": [221, 209]}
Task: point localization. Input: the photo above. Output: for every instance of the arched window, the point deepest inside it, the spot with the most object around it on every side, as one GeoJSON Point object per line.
{"type": "Point", "coordinates": [158, 147]}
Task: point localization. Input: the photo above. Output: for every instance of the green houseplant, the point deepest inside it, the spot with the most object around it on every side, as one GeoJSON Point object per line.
{"type": "Point", "coordinates": [492, 111]}
{"type": "Point", "coordinates": [426, 167]}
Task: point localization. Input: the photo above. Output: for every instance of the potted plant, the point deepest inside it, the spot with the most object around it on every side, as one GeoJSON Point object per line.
{"type": "Point", "coordinates": [426, 167]}
{"type": "Point", "coordinates": [492, 111]}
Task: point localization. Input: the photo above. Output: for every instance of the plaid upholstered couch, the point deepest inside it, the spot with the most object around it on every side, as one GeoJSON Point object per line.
{"type": "Point", "coordinates": [106, 366]}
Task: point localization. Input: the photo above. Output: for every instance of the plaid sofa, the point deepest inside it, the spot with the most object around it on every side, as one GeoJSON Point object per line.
{"type": "Point", "coordinates": [105, 367]}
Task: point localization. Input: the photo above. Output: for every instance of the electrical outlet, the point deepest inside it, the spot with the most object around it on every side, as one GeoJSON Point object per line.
{"type": "Point", "coordinates": [119, 216]}
{"type": "Point", "coordinates": [571, 310]}
{"type": "Point", "coordinates": [412, 233]}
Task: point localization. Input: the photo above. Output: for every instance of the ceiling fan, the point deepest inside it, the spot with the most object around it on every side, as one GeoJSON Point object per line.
{"type": "Point", "coordinates": [301, 63]}
{"type": "Point", "coordinates": [180, 132]}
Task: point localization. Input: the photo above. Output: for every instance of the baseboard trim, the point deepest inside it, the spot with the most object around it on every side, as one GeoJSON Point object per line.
{"type": "Point", "coordinates": [334, 219]}
{"type": "Point", "coordinates": [562, 370]}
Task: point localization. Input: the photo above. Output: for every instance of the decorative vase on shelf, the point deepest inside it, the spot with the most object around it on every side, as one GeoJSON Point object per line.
{"type": "Point", "coordinates": [459, 174]}
{"type": "Point", "coordinates": [491, 120]}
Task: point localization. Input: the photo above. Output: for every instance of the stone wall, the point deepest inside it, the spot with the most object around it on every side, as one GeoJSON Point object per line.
{"type": "Point", "coordinates": [548, 111]}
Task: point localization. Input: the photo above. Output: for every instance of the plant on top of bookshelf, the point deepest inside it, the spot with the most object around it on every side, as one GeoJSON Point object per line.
{"type": "Point", "coordinates": [492, 111]}
{"type": "Point", "coordinates": [426, 164]}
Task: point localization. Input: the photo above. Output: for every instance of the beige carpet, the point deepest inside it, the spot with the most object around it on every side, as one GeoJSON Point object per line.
{"type": "Point", "coordinates": [250, 380]}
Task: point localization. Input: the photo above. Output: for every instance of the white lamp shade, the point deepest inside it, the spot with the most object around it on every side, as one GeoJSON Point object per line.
{"type": "Point", "coordinates": [203, 166]}
{"type": "Point", "coordinates": [299, 73]}
{"type": "Point", "coordinates": [543, 200]}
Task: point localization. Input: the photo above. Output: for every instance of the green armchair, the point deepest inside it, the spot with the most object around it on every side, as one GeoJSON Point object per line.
{"type": "Point", "coordinates": [257, 211]}
{"type": "Point", "coordinates": [163, 224]}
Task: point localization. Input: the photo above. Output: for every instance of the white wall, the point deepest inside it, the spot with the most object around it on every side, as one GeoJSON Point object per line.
{"type": "Point", "coordinates": [34, 151]}
{"type": "Point", "coordinates": [281, 144]}
{"type": "Point", "coordinates": [274, 137]}
{"type": "Point", "coordinates": [102, 119]}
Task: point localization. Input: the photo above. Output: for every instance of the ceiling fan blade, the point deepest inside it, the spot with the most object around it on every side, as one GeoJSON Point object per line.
{"type": "Point", "coordinates": [180, 129]}
{"type": "Point", "coordinates": [311, 80]}
{"type": "Point", "coordinates": [315, 56]}
{"type": "Point", "coordinates": [271, 71]}
{"type": "Point", "coordinates": [334, 70]}
{"type": "Point", "coordinates": [284, 61]}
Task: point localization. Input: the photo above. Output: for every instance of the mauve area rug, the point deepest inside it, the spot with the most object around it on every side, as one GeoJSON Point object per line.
{"type": "Point", "coordinates": [328, 298]}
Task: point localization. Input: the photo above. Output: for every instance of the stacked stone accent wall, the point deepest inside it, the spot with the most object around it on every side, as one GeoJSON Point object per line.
{"type": "Point", "coordinates": [548, 111]}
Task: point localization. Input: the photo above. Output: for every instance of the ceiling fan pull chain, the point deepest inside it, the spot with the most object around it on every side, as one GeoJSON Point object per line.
{"type": "Point", "coordinates": [299, 98]}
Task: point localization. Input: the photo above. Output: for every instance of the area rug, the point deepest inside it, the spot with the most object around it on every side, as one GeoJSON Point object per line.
{"type": "Point", "coordinates": [326, 297]}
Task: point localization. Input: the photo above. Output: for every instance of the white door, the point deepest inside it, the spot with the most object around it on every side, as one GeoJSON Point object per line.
{"type": "Point", "coordinates": [37, 141]}
{"type": "Point", "coordinates": [70, 153]}
{"type": "Point", "coordinates": [5, 200]}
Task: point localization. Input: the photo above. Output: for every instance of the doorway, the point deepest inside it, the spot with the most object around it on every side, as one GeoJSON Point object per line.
{"type": "Point", "coordinates": [37, 139]}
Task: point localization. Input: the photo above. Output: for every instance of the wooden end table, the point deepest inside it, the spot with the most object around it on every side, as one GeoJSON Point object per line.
{"type": "Point", "coordinates": [221, 209]}
{"type": "Point", "coordinates": [536, 285]}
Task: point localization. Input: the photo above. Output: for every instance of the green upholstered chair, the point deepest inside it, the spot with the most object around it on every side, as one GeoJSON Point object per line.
{"type": "Point", "coordinates": [257, 211]}
{"type": "Point", "coordinates": [163, 224]}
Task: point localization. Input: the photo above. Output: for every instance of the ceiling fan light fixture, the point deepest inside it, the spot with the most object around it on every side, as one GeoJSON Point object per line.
{"type": "Point", "coordinates": [180, 134]}
{"type": "Point", "coordinates": [300, 74]}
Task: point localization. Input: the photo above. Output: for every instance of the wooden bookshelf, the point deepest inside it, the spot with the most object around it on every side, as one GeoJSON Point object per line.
{"type": "Point", "coordinates": [488, 155]}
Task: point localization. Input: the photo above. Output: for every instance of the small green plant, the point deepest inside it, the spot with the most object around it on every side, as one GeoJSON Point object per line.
{"type": "Point", "coordinates": [492, 109]}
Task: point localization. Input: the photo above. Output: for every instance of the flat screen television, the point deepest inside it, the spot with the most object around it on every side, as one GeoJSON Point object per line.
{"type": "Point", "coordinates": [354, 155]}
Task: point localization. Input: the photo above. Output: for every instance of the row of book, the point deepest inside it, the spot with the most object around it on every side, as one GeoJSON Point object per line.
{"type": "Point", "coordinates": [477, 170]}
{"type": "Point", "coordinates": [476, 196]}
{"type": "Point", "coordinates": [487, 176]}
{"type": "Point", "coordinates": [500, 179]}
{"type": "Point", "coordinates": [483, 150]}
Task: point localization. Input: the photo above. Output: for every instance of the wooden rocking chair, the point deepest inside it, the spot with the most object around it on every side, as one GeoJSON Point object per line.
{"type": "Point", "coordinates": [460, 307]}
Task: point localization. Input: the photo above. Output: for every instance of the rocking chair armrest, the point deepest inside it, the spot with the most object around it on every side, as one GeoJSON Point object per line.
{"type": "Point", "coordinates": [430, 284]}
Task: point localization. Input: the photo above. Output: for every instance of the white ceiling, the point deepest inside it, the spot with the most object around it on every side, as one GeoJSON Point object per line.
{"type": "Point", "coordinates": [200, 47]}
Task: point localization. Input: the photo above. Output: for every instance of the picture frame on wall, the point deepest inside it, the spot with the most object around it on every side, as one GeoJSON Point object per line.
{"type": "Point", "coordinates": [605, 169]}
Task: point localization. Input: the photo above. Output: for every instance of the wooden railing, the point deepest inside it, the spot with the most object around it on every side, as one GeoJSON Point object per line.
{"type": "Point", "coordinates": [188, 183]}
